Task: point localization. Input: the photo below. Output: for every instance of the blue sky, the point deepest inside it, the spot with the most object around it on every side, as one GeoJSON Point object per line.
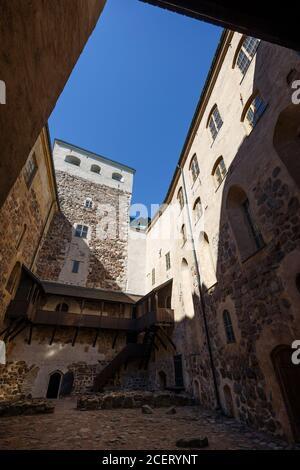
{"type": "Point", "coordinates": [133, 92]}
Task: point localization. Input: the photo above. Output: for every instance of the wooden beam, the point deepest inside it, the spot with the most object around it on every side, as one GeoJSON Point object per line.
{"type": "Point", "coordinates": [96, 337]}
{"type": "Point", "coordinates": [161, 342]}
{"type": "Point", "coordinates": [30, 334]}
{"type": "Point", "coordinates": [18, 332]}
{"type": "Point", "coordinates": [53, 335]}
{"type": "Point", "coordinates": [115, 340]}
{"type": "Point", "coordinates": [168, 338]}
{"type": "Point", "coordinates": [7, 328]}
{"type": "Point", "coordinates": [75, 336]}
{"type": "Point", "coordinates": [11, 331]}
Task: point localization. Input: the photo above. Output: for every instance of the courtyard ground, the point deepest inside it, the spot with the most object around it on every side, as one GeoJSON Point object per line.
{"type": "Point", "coordinates": [69, 428]}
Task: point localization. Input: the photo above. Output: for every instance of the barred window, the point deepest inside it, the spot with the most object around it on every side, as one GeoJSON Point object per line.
{"type": "Point", "coordinates": [255, 110]}
{"type": "Point", "coordinates": [81, 231]}
{"type": "Point", "coordinates": [230, 336]}
{"type": "Point", "coordinates": [194, 168]}
{"type": "Point", "coordinates": [30, 170]}
{"type": "Point", "coordinates": [75, 266]}
{"type": "Point", "coordinates": [215, 122]}
{"type": "Point", "coordinates": [88, 203]}
{"type": "Point", "coordinates": [246, 53]}
{"type": "Point", "coordinates": [168, 261]}
{"type": "Point", "coordinates": [219, 171]}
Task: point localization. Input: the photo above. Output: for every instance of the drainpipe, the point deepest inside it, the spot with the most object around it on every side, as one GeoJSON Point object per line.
{"type": "Point", "coordinates": [202, 302]}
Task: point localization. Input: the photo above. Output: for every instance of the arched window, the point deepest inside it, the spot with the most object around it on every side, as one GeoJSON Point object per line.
{"type": "Point", "coordinates": [197, 209]}
{"type": "Point", "coordinates": [180, 198]}
{"type": "Point", "coordinates": [63, 307]}
{"type": "Point", "coordinates": [183, 235]}
{"type": "Point", "coordinates": [95, 169]}
{"type": "Point", "coordinates": [14, 278]}
{"type": "Point", "coordinates": [254, 109]}
{"type": "Point", "coordinates": [73, 160]}
{"type": "Point", "coordinates": [194, 168]}
{"type": "Point", "coordinates": [246, 232]}
{"type": "Point", "coordinates": [230, 337]}
{"type": "Point", "coordinates": [30, 170]}
{"type": "Point", "coordinates": [88, 203]}
{"type": "Point", "coordinates": [287, 142]}
{"type": "Point", "coordinates": [117, 177]}
{"type": "Point", "coordinates": [207, 267]}
{"type": "Point", "coordinates": [245, 52]}
{"type": "Point", "coordinates": [214, 122]}
{"type": "Point", "coordinates": [219, 171]}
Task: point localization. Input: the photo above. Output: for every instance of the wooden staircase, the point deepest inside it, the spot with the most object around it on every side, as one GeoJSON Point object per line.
{"type": "Point", "coordinates": [131, 352]}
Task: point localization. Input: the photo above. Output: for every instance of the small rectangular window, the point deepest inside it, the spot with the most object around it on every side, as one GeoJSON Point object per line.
{"type": "Point", "coordinates": [30, 170]}
{"type": "Point", "coordinates": [81, 231]}
{"type": "Point", "coordinates": [168, 261]}
{"type": "Point", "coordinates": [153, 276]}
{"type": "Point", "coordinates": [75, 267]}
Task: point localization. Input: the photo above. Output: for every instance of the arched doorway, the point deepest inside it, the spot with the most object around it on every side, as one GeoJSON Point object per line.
{"type": "Point", "coordinates": [229, 409]}
{"type": "Point", "coordinates": [67, 384]}
{"type": "Point", "coordinates": [162, 377]}
{"type": "Point", "coordinates": [288, 376]}
{"type": "Point", "coordinates": [54, 385]}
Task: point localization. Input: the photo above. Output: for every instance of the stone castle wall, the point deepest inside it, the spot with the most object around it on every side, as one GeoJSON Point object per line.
{"type": "Point", "coordinates": [103, 255]}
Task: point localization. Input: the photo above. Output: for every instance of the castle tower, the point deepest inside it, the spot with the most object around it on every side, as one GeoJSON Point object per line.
{"type": "Point", "coordinates": [87, 243]}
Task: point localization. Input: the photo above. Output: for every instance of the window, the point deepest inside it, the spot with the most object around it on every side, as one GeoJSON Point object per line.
{"type": "Point", "coordinates": [30, 170]}
{"type": "Point", "coordinates": [180, 198]}
{"type": "Point", "coordinates": [62, 307]}
{"type": "Point", "coordinates": [88, 203]}
{"type": "Point", "coordinates": [73, 160]}
{"type": "Point", "coordinates": [245, 53]}
{"type": "Point", "coordinates": [219, 171]}
{"type": "Point", "coordinates": [214, 122]}
{"type": "Point", "coordinates": [95, 169]}
{"type": "Point", "coordinates": [197, 210]}
{"type": "Point", "coordinates": [168, 261]}
{"type": "Point", "coordinates": [117, 176]}
{"type": "Point", "coordinates": [75, 267]}
{"type": "Point", "coordinates": [254, 111]}
{"type": "Point", "coordinates": [228, 327]}
{"type": "Point", "coordinates": [183, 235]}
{"type": "Point", "coordinates": [81, 231]}
{"type": "Point", "coordinates": [244, 227]}
{"type": "Point", "coordinates": [253, 227]}
{"type": "Point", "coordinates": [153, 276]}
{"type": "Point", "coordinates": [194, 168]}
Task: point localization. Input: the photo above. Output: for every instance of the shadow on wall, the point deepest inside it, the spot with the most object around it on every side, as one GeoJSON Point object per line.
{"type": "Point", "coordinates": [61, 248]}
{"type": "Point", "coordinates": [259, 226]}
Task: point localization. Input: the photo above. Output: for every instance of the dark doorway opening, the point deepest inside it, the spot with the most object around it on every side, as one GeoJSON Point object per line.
{"type": "Point", "coordinates": [67, 384]}
{"type": "Point", "coordinates": [162, 380]}
{"type": "Point", "coordinates": [54, 385]}
{"type": "Point", "coordinates": [178, 370]}
{"type": "Point", "coordinates": [288, 375]}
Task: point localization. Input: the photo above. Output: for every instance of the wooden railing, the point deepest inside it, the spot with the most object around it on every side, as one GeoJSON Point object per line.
{"type": "Point", "coordinates": [25, 309]}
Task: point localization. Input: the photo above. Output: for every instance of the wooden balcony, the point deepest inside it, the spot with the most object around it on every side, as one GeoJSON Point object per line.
{"type": "Point", "coordinates": [25, 309]}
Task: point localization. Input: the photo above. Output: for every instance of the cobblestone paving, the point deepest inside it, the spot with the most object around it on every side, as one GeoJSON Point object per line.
{"type": "Point", "coordinates": [129, 429]}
